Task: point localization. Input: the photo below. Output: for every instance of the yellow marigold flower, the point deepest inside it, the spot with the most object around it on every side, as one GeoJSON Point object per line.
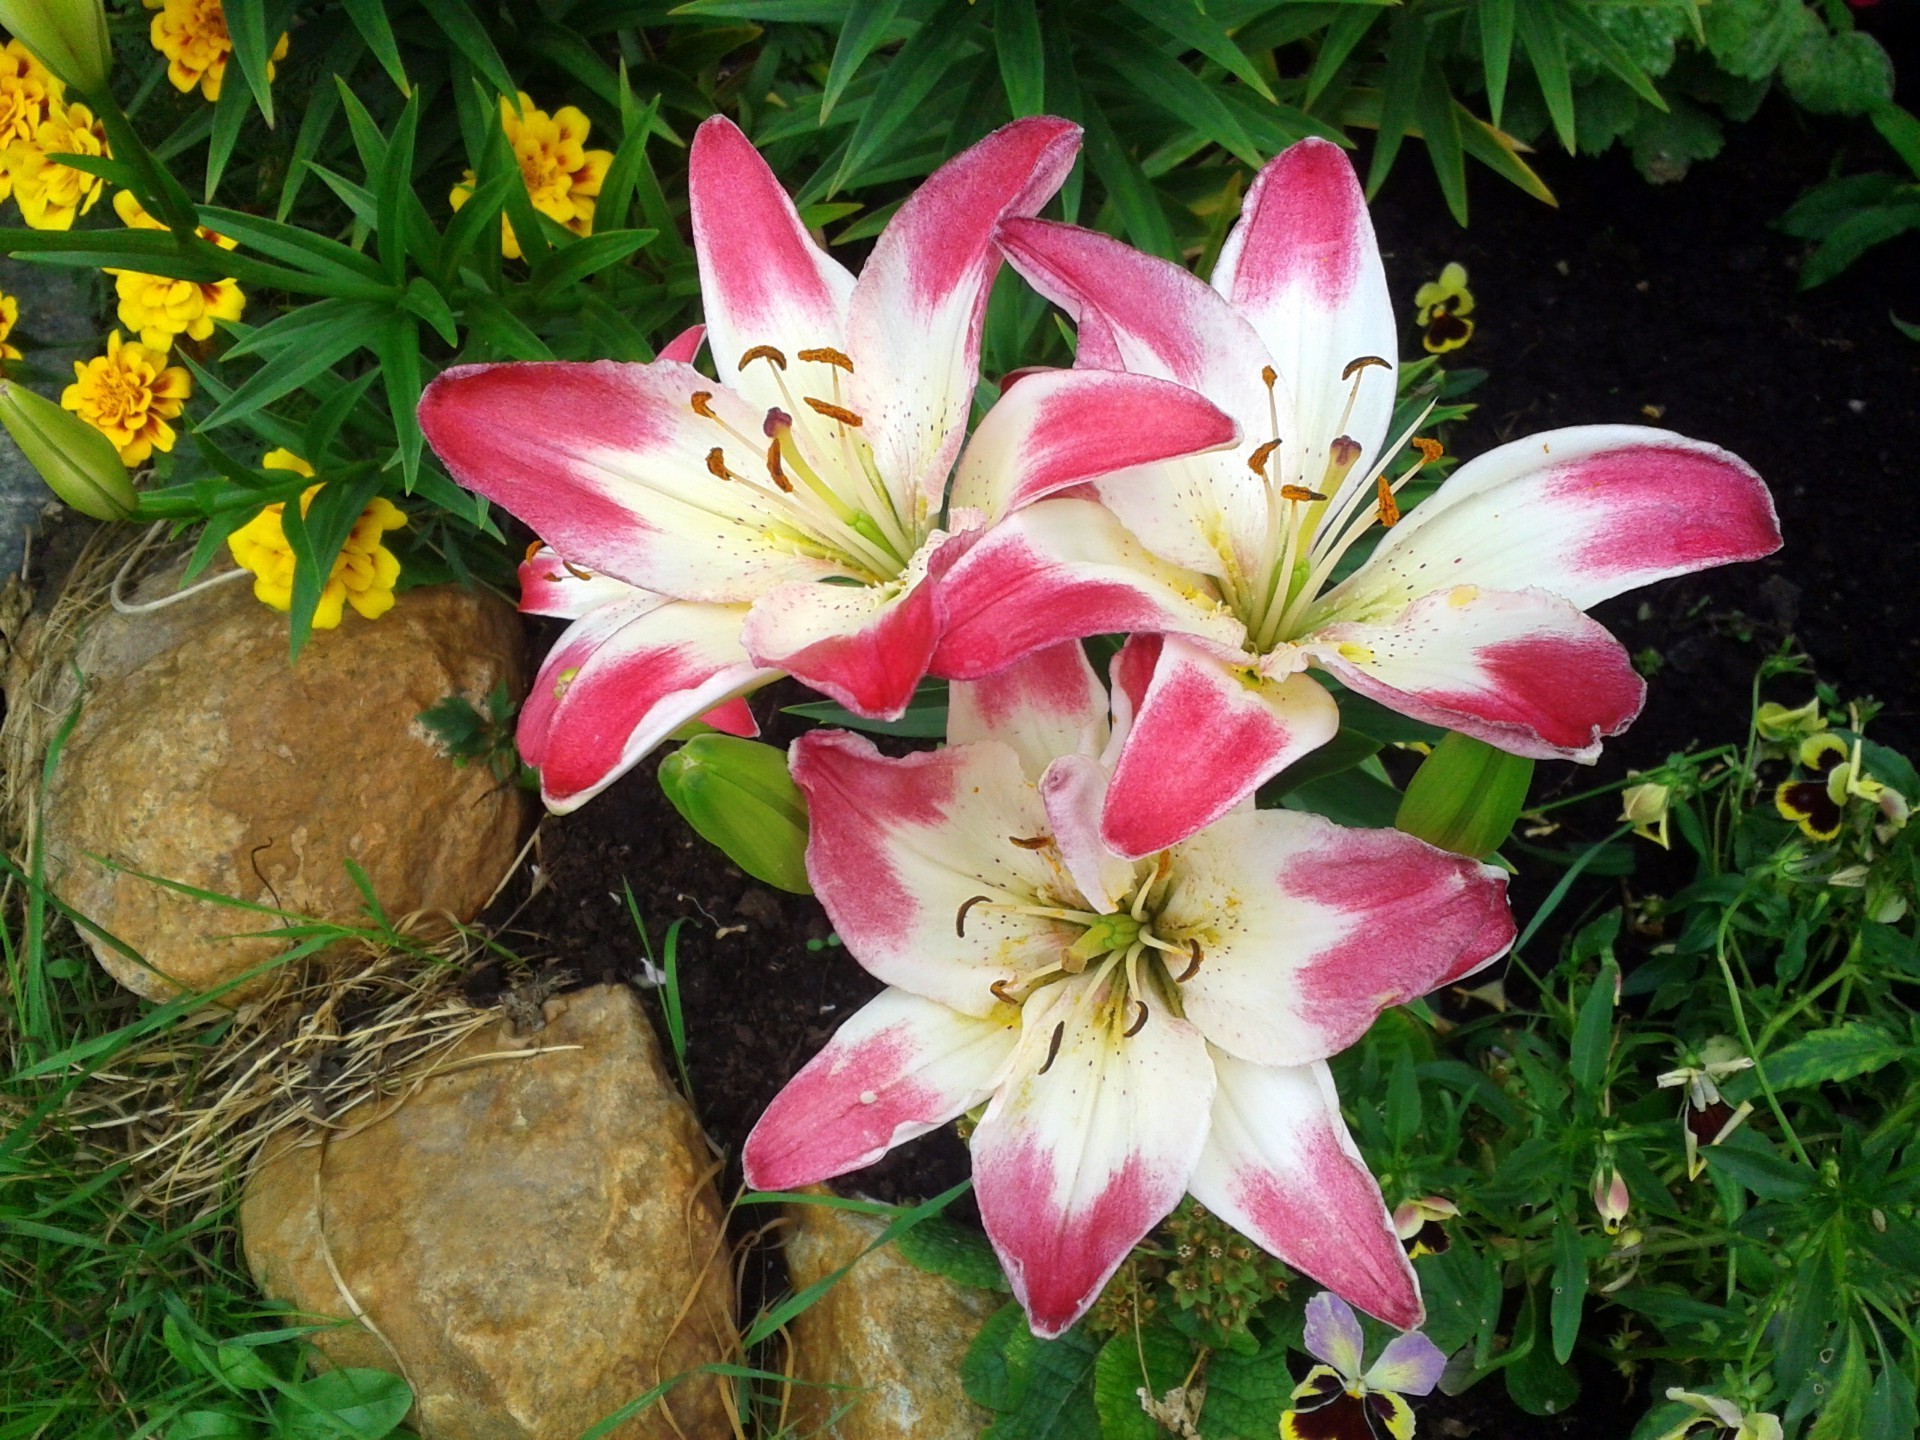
{"type": "Point", "coordinates": [27, 91]}
{"type": "Point", "coordinates": [192, 34]}
{"type": "Point", "coordinates": [364, 572]}
{"type": "Point", "coordinates": [1441, 309]}
{"type": "Point", "coordinates": [562, 175]}
{"type": "Point", "coordinates": [52, 194]}
{"type": "Point", "coordinates": [128, 395]}
{"type": "Point", "coordinates": [159, 307]}
{"type": "Point", "coordinates": [9, 317]}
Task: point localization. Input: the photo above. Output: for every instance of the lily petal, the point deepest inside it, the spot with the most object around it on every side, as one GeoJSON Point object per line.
{"type": "Point", "coordinates": [620, 680]}
{"type": "Point", "coordinates": [1520, 669]}
{"type": "Point", "coordinates": [1073, 790]}
{"type": "Point", "coordinates": [1059, 428]}
{"type": "Point", "coordinates": [684, 346]}
{"type": "Point", "coordinates": [1333, 1334]}
{"type": "Point", "coordinates": [1303, 267]}
{"type": "Point", "coordinates": [1064, 570]}
{"type": "Point", "coordinates": [900, 1067]}
{"type": "Point", "coordinates": [1049, 704]}
{"type": "Point", "coordinates": [1310, 929]}
{"type": "Point", "coordinates": [897, 849]}
{"type": "Point", "coordinates": [1088, 1145]}
{"type": "Point", "coordinates": [1584, 514]}
{"type": "Point", "coordinates": [914, 325]}
{"type": "Point", "coordinates": [865, 645]}
{"type": "Point", "coordinates": [1204, 738]}
{"type": "Point", "coordinates": [1280, 1167]}
{"type": "Point", "coordinates": [763, 281]}
{"type": "Point", "coordinates": [1410, 1365]}
{"type": "Point", "coordinates": [607, 462]}
{"type": "Point", "coordinates": [548, 586]}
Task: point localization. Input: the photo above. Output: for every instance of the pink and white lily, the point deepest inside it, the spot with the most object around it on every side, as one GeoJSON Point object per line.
{"type": "Point", "coordinates": [787, 516]}
{"type": "Point", "coordinates": [1137, 1030]}
{"type": "Point", "coordinates": [1468, 613]}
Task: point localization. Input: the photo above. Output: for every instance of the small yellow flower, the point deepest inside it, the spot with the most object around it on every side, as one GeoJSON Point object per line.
{"type": "Point", "coordinates": [1646, 808]}
{"type": "Point", "coordinates": [562, 175]}
{"type": "Point", "coordinates": [192, 34]}
{"type": "Point", "coordinates": [9, 317]}
{"type": "Point", "coordinates": [160, 308]}
{"type": "Point", "coordinates": [1785, 726]}
{"type": "Point", "coordinates": [27, 91]}
{"type": "Point", "coordinates": [363, 574]}
{"type": "Point", "coordinates": [129, 394]}
{"type": "Point", "coordinates": [52, 194]}
{"type": "Point", "coordinates": [1442, 307]}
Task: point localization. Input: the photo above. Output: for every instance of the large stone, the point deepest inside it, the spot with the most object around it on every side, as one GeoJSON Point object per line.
{"type": "Point", "coordinates": [535, 1232]}
{"type": "Point", "coordinates": [894, 1333]}
{"type": "Point", "coordinates": [203, 756]}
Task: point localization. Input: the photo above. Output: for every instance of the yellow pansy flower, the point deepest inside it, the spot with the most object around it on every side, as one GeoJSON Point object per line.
{"type": "Point", "coordinates": [192, 34]}
{"type": "Point", "coordinates": [364, 571]}
{"type": "Point", "coordinates": [129, 394]}
{"type": "Point", "coordinates": [1441, 309]}
{"type": "Point", "coordinates": [159, 307]}
{"type": "Point", "coordinates": [9, 317]}
{"type": "Point", "coordinates": [27, 91]}
{"type": "Point", "coordinates": [52, 194]}
{"type": "Point", "coordinates": [562, 175]}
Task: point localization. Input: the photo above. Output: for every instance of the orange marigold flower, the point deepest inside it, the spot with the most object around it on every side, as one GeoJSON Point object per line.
{"type": "Point", "coordinates": [52, 194]}
{"type": "Point", "coordinates": [562, 175]}
{"type": "Point", "coordinates": [159, 307]}
{"type": "Point", "coordinates": [129, 394]}
{"type": "Point", "coordinates": [363, 572]}
{"type": "Point", "coordinates": [192, 34]}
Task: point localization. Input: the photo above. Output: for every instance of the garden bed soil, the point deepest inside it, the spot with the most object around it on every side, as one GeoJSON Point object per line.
{"type": "Point", "coordinates": [1627, 300]}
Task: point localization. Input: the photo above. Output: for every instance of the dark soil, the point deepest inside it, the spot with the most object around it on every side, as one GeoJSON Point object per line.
{"type": "Point", "coordinates": [1625, 297]}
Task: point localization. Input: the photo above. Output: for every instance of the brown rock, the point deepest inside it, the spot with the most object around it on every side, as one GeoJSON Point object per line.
{"type": "Point", "coordinates": [203, 756]}
{"type": "Point", "coordinates": [535, 1234]}
{"type": "Point", "coordinates": [895, 1332]}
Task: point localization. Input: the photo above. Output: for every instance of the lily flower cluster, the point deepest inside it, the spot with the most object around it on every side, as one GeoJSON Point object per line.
{"type": "Point", "coordinates": [1086, 930]}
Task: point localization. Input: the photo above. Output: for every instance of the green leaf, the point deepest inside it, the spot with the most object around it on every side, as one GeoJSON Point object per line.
{"type": "Point", "coordinates": [1569, 1287]}
{"type": "Point", "coordinates": [1846, 74]}
{"type": "Point", "coordinates": [230, 112]}
{"type": "Point", "coordinates": [1161, 80]}
{"type": "Point", "coordinates": [1856, 235]}
{"type": "Point", "coordinates": [317, 443]}
{"type": "Point", "coordinates": [866, 26]}
{"type": "Point", "coordinates": [316, 121]}
{"type": "Point", "coordinates": [925, 716]}
{"type": "Point", "coordinates": [369, 17]}
{"type": "Point", "coordinates": [1056, 1402]}
{"type": "Point", "coordinates": [398, 345]}
{"type": "Point", "coordinates": [1406, 67]}
{"type": "Point", "coordinates": [1461, 1286]}
{"type": "Point", "coordinates": [915, 70]}
{"type": "Point", "coordinates": [1846, 1403]}
{"type": "Point", "coordinates": [319, 254]}
{"type": "Point", "coordinates": [987, 1374]}
{"type": "Point", "coordinates": [1348, 29]}
{"type": "Point", "coordinates": [316, 538]}
{"type": "Point", "coordinates": [1194, 28]}
{"type": "Point", "coordinates": [470, 38]}
{"type": "Point", "coordinates": [1546, 50]}
{"type": "Point", "coordinates": [1666, 146]}
{"type": "Point", "coordinates": [1023, 60]}
{"type": "Point", "coordinates": [394, 191]}
{"type": "Point", "coordinates": [1440, 125]}
{"type": "Point", "coordinates": [1246, 1394]}
{"type": "Point", "coordinates": [480, 216]}
{"type": "Point", "coordinates": [1538, 1383]}
{"type": "Point", "coordinates": [1347, 749]}
{"type": "Point", "coordinates": [322, 345]}
{"type": "Point", "coordinates": [423, 300]}
{"type": "Point", "coordinates": [1351, 797]}
{"type": "Point", "coordinates": [1842, 1052]}
{"type": "Point", "coordinates": [366, 1404]}
{"type": "Point", "coordinates": [1749, 38]}
{"type": "Point", "coordinates": [1465, 796]}
{"type": "Point", "coordinates": [568, 264]}
{"type": "Point", "coordinates": [211, 1425]}
{"type": "Point", "coordinates": [247, 29]}
{"type": "Point", "coordinates": [1496, 50]}
{"type": "Point", "coordinates": [629, 157]}
{"type": "Point", "coordinates": [1761, 1170]}
{"type": "Point", "coordinates": [1902, 131]}
{"type": "Point", "coordinates": [960, 1253]}
{"type": "Point", "coordinates": [1593, 1030]}
{"type": "Point", "coordinates": [1133, 195]}
{"type": "Point", "coordinates": [1155, 1359]}
{"type": "Point", "coordinates": [1577, 23]}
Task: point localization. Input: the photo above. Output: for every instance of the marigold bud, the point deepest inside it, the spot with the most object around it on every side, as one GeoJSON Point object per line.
{"type": "Point", "coordinates": [79, 464]}
{"type": "Point", "coordinates": [738, 795]}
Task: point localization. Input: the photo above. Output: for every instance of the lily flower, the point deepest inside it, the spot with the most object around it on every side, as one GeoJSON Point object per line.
{"type": "Point", "coordinates": [1337, 1401]}
{"type": "Point", "coordinates": [1467, 613]}
{"type": "Point", "coordinates": [1138, 1030]}
{"type": "Point", "coordinates": [803, 490]}
{"type": "Point", "coordinates": [1717, 1418]}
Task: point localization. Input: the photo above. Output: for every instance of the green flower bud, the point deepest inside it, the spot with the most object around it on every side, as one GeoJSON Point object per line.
{"type": "Point", "coordinates": [69, 37]}
{"type": "Point", "coordinates": [1465, 796]}
{"type": "Point", "coordinates": [79, 464]}
{"type": "Point", "coordinates": [738, 795]}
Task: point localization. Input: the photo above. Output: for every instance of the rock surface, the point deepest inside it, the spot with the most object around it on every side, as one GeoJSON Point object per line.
{"type": "Point", "coordinates": [536, 1235]}
{"type": "Point", "coordinates": [203, 756]}
{"type": "Point", "coordinates": [895, 1333]}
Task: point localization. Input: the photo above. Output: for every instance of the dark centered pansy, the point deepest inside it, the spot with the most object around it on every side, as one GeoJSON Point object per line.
{"type": "Point", "coordinates": [1811, 802]}
{"type": "Point", "coordinates": [1325, 1408]}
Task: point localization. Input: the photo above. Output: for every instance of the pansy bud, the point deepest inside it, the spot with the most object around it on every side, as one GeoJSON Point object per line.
{"type": "Point", "coordinates": [69, 37]}
{"type": "Point", "coordinates": [79, 464]}
{"type": "Point", "coordinates": [1465, 796]}
{"type": "Point", "coordinates": [1645, 808]}
{"type": "Point", "coordinates": [1610, 1197]}
{"type": "Point", "coordinates": [1778, 723]}
{"type": "Point", "coordinates": [738, 795]}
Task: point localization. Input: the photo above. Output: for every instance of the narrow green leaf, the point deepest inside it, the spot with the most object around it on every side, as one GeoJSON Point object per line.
{"type": "Point", "coordinates": [1496, 50]}
{"type": "Point", "coordinates": [629, 157]}
{"type": "Point", "coordinates": [570, 263]}
{"type": "Point", "coordinates": [291, 328]}
{"type": "Point", "coordinates": [479, 217]}
{"type": "Point", "coordinates": [1759, 1167]}
{"type": "Point", "coordinates": [1133, 195]}
{"type": "Point", "coordinates": [426, 302]}
{"type": "Point", "coordinates": [1569, 1288]}
{"type": "Point", "coordinates": [398, 345]}
{"type": "Point", "coordinates": [1348, 29]}
{"type": "Point", "coordinates": [393, 190]}
{"type": "Point", "coordinates": [369, 18]}
{"type": "Point", "coordinates": [230, 112]}
{"type": "Point", "coordinates": [1406, 64]}
{"type": "Point", "coordinates": [1496, 150]}
{"type": "Point", "coordinates": [1577, 23]}
{"type": "Point", "coordinates": [1902, 131]}
{"type": "Point", "coordinates": [1440, 126]}
{"type": "Point", "coordinates": [1161, 80]}
{"type": "Point", "coordinates": [1843, 1052]}
{"type": "Point", "coordinates": [1022, 57]}
{"type": "Point", "coordinates": [1193, 27]}
{"type": "Point", "coordinates": [316, 445]}
{"type": "Point", "coordinates": [458, 22]}
{"type": "Point", "coordinates": [1546, 49]}
{"type": "Point", "coordinates": [1593, 1030]}
{"type": "Point", "coordinates": [919, 66]}
{"type": "Point", "coordinates": [316, 121]}
{"type": "Point", "coordinates": [319, 254]}
{"type": "Point", "coordinates": [500, 332]}
{"type": "Point", "coordinates": [247, 29]}
{"type": "Point", "coordinates": [295, 365]}
{"type": "Point", "coordinates": [865, 27]}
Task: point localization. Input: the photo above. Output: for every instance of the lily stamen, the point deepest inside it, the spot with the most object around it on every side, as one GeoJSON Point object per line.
{"type": "Point", "coordinates": [834, 412]}
{"type": "Point", "coordinates": [1140, 1021]}
{"type": "Point", "coordinates": [827, 355]}
{"type": "Point", "coordinates": [1192, 969]}
{"type": "Point", "coordinates": [1053, 1047]}
{"type": "Point", "coordinates": [762, 352]}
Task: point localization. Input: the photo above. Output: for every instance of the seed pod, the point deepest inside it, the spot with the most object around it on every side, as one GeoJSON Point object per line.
{"type": "Point", "coordinates": [79, 464]}
{"type": "Point", "coordinates": [69, 37]}
{"type": "Point", "coordinates": [1465, 796]}
{"type": "Point", "coordinates": [737, 794]}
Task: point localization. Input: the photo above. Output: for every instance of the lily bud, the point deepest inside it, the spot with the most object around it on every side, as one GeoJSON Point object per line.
{"type": "Point", "coordinates": [69, 37]}
{"type": "Point", "coordinates": [738, 795]}
{"type": "Point", "coordinates": [79, 464]}
{"type": "Point", "coordinates": [1465, 796]}
{"type": "Point", "coordinates": [1610, 1197]}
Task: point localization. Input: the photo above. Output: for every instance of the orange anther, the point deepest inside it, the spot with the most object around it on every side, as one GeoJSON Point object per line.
{"type": "Point", "coordinates": [702, 406]}
{"type": "Point", "coordinates": [534, 547]}
{"type": "Point", "coordinates": [762, 352]}
{"type": "Point", "coordinates": [717, 464]}
{"type": "Point", "coordinates": [1053, 1047]}
{"type": "Point", "coordinates": [1389, 507]}
{"type": "Point", "coordinates": [1430, 450]}
{"type": "Point", "coordinates": [833, 412]}
{"type": "Point", "coordinates": [1257, 462]}
{"type": "Point", "coordinates": [1359, 363]}
{"type": "Point", "coordinates": [1140, 1022]}
{"type": "Point", "coordinates": [576, 571]}
{"type": "Point", "coordinates": [1031, 842]}
{"type": "Point", "coordinates": [1270, 376]}
{"type": "Point", "coordinates": [773, 468]}
{"type": "Point", "coordinates": [1299, 492]}
{"type": "Point", "coordinates": [827, 355]}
